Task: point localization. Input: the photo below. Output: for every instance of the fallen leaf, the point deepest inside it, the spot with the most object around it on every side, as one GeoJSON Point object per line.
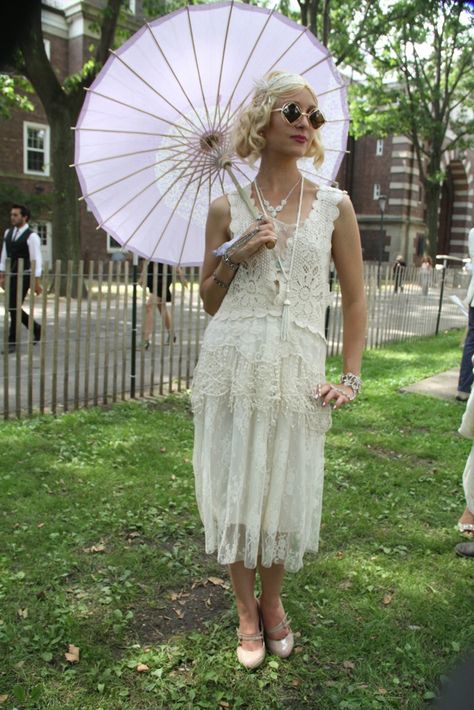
{"type": "Point", "coordinates": [298, 649]}
{"type": "Point", "coordinates": [349, 665]}
{"type": "Point", "coordinates": [73, 654]}
{"type": "Point", "coordinates": [223, 704]}
{"type": "Point", "coordinates": [295, 682]}
{"type": "Point", "coordinates": [339, 555]}
{"type": "Point", "coordinates": [382, 691]}
{"type": "Point", "coordinates": [179, 613]}
{"type": "Point", "coordinates": [133, 534]}
{"type": "Point", "coordinates": [387, 599]}
{"type": "Point", "coordinates": [94, 549]}
{"type": "Point", "coordinates": [3, 698]}
{"type": "Point", "coordinates": [330, 683]}
{"type": "Point", "coordinates": [40, 525]}
{"type": "Point", "coordinates": [216, 581]}
{"type": "Point", "coordinates": [142, 668]}
{"type": "Point", "coordinates": [163, 450]}
{"type": "Point", "coordinates": [23, 613]}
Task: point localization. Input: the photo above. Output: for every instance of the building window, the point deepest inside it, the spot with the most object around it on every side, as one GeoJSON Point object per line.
{"type": "Point", "coordinates": [379, 147]}
{"type": "Point", "coordinates": [112, 245]}
{"type": "Point", "coordinates": [131, 6]}
{"type": "Point", "coordinates": [35, 149]}
{"type": "Point", "coordinates": [43, 230]}
{"type": "Point", "coordinates": [377, 191]}
{"type": "Point", "coordinates": [47, 47]}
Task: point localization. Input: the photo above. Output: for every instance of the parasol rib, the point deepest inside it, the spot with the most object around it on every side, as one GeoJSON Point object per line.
{"type": "Point", "coordinates": [188, 226]}
{"type": "Point", "coordinates": [175, 108]}
{"type": "Point", "coordinates": [135, 108]}
{"type": "Point", "coordinates": [158, 202]}
{"type": "Point", "coordinates": [175, 76]}
{"type": "Point", "coordinates": [183, 172]}
{"type": "Point", "coordinates": [190, 27]}
{"type": "Point", "coordinates": [229, 100]}
{"type": "Point", "coordinates": [140, 170]}
{"type": "Point", "coordinates": [224, 47]}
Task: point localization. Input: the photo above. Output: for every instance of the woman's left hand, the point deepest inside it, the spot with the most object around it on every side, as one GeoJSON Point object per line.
{"type": "Point", "coordinates": [336, 395]}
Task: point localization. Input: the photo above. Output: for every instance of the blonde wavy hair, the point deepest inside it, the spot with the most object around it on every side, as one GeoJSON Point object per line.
{"type": "Point", "coordinates": [248, 139]}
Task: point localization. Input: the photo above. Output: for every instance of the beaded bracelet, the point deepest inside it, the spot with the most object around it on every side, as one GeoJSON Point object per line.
{"type": "Point", "coordinates": [228, 261]}
{"type": "Point", "coordinates": [219, 282]}
{"type": "Point", "coordinates": [352, 381]}
{"type": "Point", "coordinates": [344, 394]}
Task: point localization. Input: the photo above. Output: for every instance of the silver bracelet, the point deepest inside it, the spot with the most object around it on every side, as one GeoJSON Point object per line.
{"type": "Point", "coordinates": [352, 381]}
{"type": "Point", "coordinates": [228, 261]}
{"type": "Point", "coordinates": [344, 394]}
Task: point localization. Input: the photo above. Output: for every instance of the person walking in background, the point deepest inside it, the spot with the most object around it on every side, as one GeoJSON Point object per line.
{"type": "Point", "coordinates": [398, 273]}
{"type": "Point", "coordinates": [465, 374]}
{"type": "Point", "coordinates": [20, 242]}
{"type": "Point", "coordinates": [426, 273]}
{"type": "Point", "coordinates": [260, 397]}
{"type": "Point", "coordinates": [156, 298]}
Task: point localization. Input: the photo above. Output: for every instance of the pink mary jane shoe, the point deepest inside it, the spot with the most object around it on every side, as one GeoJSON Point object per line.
{"type": "Point", "coordinates": [280, 647]}
{"type": "Point", "coordinates": [251, 659]}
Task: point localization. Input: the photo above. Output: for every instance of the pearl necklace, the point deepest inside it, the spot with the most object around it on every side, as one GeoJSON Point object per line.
{"type": "Point", "coordinates": [287, 275]}
{"type": "Point", "coordinates": [273, 211]}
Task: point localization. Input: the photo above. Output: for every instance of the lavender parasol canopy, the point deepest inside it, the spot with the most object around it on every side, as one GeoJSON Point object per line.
{"type": "Point", "coordinates": [153, 140]}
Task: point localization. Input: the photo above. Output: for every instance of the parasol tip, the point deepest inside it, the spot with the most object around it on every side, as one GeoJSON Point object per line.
{"type": "Point", "coordinates": [80, 199]}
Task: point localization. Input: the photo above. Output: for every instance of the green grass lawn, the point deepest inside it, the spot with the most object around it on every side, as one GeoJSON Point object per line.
{"type": "Point", "coordinates": [102, 548]}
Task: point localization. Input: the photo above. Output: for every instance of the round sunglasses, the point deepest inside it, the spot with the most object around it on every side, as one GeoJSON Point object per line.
{"type": "Point", "coordinates": [292, 112]}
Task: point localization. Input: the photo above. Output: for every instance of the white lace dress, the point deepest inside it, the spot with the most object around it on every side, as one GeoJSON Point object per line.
{"type": "Point", "coordinates": [259, 433]}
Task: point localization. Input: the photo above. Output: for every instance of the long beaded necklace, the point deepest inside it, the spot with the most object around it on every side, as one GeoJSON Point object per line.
{"type": "Point", "coordinates": [270, 209]}
{"type": "Point", "coordinates": [287, 275]}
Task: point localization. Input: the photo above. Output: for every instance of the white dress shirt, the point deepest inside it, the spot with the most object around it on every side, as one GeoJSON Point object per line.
{"type": "Point", "coordinates": [34, 247]}
{"type": "Point", "coordinates": [470, 290]}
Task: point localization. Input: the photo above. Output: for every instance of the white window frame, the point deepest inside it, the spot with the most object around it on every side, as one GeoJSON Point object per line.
{"type": "Point", "coordinates": [377, 191]}
{"type": "Point", "coordinates": [110, 248]}
{"type": "Point", "coordinates": [132, 6]}
{"type": "Point", "coordinates": [379, 147]}
{"type": "Point", "coordinates": [46, 249]}
{"type": "Point", "coordinates": [47, 47]}
{"type": "Point", "coordinates": [44, 127]}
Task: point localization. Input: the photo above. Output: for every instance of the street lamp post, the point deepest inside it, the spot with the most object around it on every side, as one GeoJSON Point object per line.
{"type": "Point", "coordinates": [382, 204]}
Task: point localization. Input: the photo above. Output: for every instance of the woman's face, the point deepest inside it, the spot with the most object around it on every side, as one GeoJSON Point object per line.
{"type": "Point", "coordinates": [290, 139]}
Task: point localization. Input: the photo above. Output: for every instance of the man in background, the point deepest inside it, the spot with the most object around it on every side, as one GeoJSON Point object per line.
{"type": "Point", "coordinates": [20, 242]}
{"type": "Point", "coordinates": [465, 374]}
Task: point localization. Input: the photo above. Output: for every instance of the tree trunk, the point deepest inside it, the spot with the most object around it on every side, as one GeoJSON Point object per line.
{"type": "Point", "coordinates": [66, 232]}
{"type": "Point", "coordinates": [433, 193]}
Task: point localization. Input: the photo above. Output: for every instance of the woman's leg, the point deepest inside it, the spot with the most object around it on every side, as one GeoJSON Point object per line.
{"type": "Point", "coordinates": [270, 602]}
{"type": "Point", "coordinates": [148, 319]}
{"type": "Point", "coordinates": [243, 583]}
{"type": "Point", "coordinates": [165, 314]}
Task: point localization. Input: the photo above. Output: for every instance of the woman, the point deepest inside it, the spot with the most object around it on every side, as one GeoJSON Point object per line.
{"type": "Point", "coordinates": [156, 298]}
{"type": "Point", "coordinates": [426, 272]}
{"type": "Point", "coordinates": [260, 398]}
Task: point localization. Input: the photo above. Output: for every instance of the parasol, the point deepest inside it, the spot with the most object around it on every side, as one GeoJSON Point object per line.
{"type": "Point", "coordinates": [153, 140]}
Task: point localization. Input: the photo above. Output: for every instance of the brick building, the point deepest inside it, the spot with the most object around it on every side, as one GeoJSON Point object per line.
{"type": "Point", "coordinates": [373, 167]}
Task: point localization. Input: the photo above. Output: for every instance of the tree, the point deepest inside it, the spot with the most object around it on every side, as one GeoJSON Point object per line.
{"type": "Point", "coordinates": [62, 104]}
{"type": "Point", "coordinates": [13, 90]}
{"type": "Point", "coordinates": [341, 25]}
{"type": "Point", "coordinates": [420, 84]}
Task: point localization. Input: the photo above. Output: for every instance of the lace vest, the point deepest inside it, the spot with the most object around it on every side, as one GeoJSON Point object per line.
{"type": "Point", "coordinates": [259, 291]}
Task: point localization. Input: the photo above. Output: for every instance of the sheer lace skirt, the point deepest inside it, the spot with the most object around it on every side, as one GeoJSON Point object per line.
{"type": "Point", "coordinates": [259, 443]}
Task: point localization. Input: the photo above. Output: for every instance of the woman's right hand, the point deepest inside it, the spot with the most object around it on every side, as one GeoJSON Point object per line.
{"type": "Point", "coordinates": [265, 236]}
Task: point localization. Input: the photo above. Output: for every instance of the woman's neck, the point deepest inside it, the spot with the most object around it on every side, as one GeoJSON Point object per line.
{"type": "Point", "coordinates": [277, 175]}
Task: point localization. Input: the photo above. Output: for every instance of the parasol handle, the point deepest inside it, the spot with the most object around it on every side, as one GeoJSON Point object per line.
{"type": "Point", "coordinates": [227, 165]}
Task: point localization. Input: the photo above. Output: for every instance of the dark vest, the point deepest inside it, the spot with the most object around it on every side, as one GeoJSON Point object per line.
{"type": "Point", "coordinates": [18, 249]}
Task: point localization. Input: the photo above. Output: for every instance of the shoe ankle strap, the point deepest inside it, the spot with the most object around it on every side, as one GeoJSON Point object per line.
{"type": "Point", "coordinates": [279, 627]}
{"type": "Point", "coordinates": [249, 637]}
